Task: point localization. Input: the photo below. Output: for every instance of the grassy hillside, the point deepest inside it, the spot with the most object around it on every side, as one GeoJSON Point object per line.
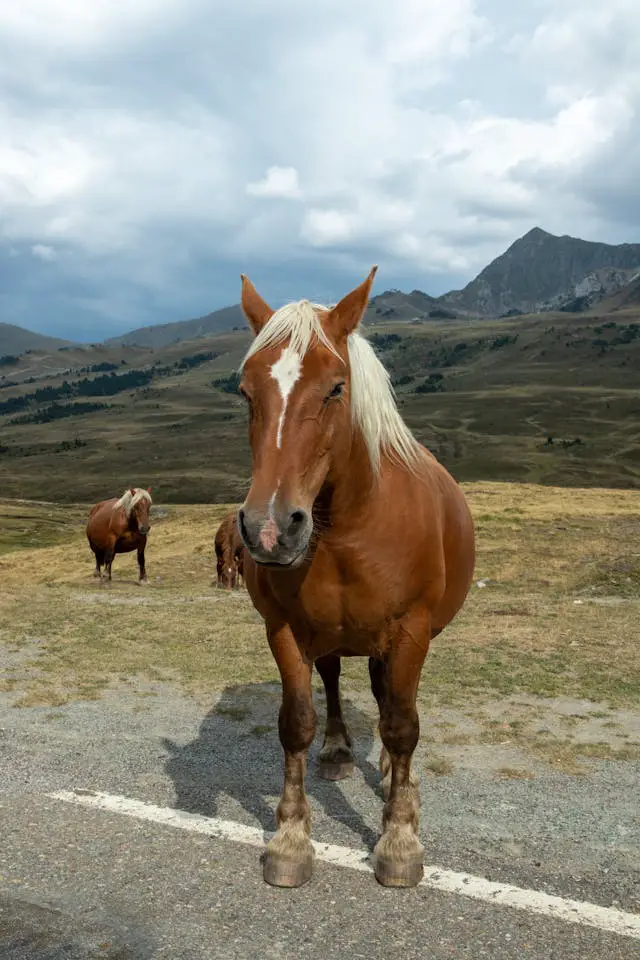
{"type": "Point", "coordinates": [390, 306]}
{"type": "Point", "coordinates": [551, 399]}
{"type": "Point", "coordinates": [16, 340]}
{"type": "Point", "coordinates": [626, 299]}
{"type": "Point", "coordinates": [162, 334]}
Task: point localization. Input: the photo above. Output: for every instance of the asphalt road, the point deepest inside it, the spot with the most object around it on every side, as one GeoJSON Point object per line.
{"type": "Point", "coordinates": [83, 883]}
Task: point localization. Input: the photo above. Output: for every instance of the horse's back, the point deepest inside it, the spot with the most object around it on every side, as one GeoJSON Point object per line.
{"type": "Point", "coordinates": [237, 543]}
{"type": "Point", "coordinates": [219, 540]}
{"type": "Point", "coordinates": [227, 535]}
{"type": "Point", "coordinates": [99, 520]}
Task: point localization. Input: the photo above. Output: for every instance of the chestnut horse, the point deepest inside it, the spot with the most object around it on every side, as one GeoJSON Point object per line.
{"type": "Point", "coordinates": [119, 526]}
{"type": "Point", "coordinates": [359, 543]}
{"type": "Point", "coordinates": [229, 549]}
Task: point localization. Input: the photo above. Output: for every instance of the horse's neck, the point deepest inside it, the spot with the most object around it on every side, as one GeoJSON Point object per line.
{"type": "Point", "coordinates": [120, 522]}
{"type": "Point", "coordinates": [352, 487]}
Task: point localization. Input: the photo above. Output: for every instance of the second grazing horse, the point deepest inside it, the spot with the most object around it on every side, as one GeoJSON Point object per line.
{"type": "Point", "coordinates": [120, 525]}
{"type": "Point", "coordinates": [229, 550]}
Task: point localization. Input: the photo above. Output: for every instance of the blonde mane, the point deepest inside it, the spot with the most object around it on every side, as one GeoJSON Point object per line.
{"type": "Point", "coordinates": [129, 500]}
{"type": "Point", "coordinates": [373, 405]}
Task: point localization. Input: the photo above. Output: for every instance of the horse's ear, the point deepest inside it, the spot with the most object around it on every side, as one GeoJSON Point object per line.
{"type": "Point", "coordinates": [254, 307]}
{"type": "Point", "coordinates": [133, 491]}
{"type": "Point", "coordinates": [346, 315]}
{"type": "Point", "coordinates": [148, 489]}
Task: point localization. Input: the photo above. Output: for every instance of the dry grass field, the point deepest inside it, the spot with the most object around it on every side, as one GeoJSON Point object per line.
{"type": "Point", "coordinates": [544, 655]}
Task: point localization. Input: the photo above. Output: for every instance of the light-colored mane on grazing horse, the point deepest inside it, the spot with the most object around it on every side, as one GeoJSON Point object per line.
{"type": "Point", "coordinates": [130, 499]}
{"type": "Point", "coordinates": [358, 543]}
{"type": "Point", "coordinates": [120, 525]}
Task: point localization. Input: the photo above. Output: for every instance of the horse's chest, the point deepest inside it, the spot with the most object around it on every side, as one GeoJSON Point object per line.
{"type": "Point", "coordinates": [127, 541]}
{"type": "Point", "coordinates": [352, 617]}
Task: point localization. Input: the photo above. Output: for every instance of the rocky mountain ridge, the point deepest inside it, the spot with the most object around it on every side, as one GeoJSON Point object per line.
{"type": "Point", "coordinates": [538, 273]}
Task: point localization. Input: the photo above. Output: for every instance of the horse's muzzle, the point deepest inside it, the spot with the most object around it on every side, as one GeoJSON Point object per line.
{"type": "Point", "coordinates": [277, 538]}
{"type": "Point", "coordinates": [143, 530]}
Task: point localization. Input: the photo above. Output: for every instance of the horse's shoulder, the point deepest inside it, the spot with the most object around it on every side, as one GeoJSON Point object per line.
{"type": "Point", "coordinates": [117, 520]}
{"type": "Point", "coordinates": [103, 505]}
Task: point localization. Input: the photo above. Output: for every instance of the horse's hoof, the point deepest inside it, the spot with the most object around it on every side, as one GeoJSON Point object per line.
{"type": "Point", "coordinates": [332, 770]}
{"type": "Point", "coordinates": [390, 873]}
{"type": "Point", "coordinates": [286, 873]}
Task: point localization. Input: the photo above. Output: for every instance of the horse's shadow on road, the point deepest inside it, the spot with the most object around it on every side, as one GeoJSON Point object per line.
{"type": "Point", "coordinates": [237, 755]}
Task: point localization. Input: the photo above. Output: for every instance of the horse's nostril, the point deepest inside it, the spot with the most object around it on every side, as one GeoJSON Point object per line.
{"type": "Point", "coordinates": [297, 518]}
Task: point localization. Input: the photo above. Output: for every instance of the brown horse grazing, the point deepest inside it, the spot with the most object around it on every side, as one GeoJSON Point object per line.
{"type": "Point", "coordinates": [359, 543]}
{"type": "Point", "coordinates": [229, 549]}
{"type": "Point", "coordinates": [119, 526]}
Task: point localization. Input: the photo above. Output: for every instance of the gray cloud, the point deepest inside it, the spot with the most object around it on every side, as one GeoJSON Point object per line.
{"type": "Point", "coordinates": [151, 153]}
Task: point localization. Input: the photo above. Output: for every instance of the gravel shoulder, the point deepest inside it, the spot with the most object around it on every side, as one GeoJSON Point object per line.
{"type": "Point", "coordinates": [574, 836]}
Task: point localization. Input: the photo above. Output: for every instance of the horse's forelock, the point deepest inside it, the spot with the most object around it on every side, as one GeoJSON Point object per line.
{"type": "Point", "coordinates": [296, 323]}
{"type": "Point", "coordinates": [140, 494]}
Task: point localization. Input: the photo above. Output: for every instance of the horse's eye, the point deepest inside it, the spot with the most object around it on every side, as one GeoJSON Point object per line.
{"type": "Point", "coordinates": [336, 391]}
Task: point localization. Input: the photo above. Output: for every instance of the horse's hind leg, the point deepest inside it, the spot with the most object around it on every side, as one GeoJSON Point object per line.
{"type": "Point", "coordinates": [335, 757]}
{"type": "Point", "coordinates": [109, 554]}
{"type": "Point", "coordinates": [288, 859]}
{"type": "Point", "coordinates": [99, 555]}
{"type": "Point", "coordinates": [398, 853]}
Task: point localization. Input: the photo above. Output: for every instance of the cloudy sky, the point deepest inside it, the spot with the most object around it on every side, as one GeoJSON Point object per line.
{"type": "Point", "coordinates": [151, 150]}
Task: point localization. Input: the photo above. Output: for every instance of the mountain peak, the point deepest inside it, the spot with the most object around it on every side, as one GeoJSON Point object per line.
{"type": "Point", "coordinates": [541, 271]}
{"type": "Point", "coordinates": [536, 233]}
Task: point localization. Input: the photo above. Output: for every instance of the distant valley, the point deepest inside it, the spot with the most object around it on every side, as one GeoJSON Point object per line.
{"type": "Point", "coordinates": [550, 396]}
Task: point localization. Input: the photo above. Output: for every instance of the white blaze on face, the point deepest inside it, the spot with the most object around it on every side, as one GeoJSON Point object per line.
{"type": "Point", "coordinates": [285, 372]}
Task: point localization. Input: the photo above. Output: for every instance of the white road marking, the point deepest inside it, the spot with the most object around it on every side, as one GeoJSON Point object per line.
{"type": "Point", "coordinates": [448, 881]}
{"type": "Point", "coordinates": [285, 371]}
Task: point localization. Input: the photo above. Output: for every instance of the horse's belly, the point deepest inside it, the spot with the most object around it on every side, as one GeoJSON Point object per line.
{"type": "Point", "coordinates": [343, 644]}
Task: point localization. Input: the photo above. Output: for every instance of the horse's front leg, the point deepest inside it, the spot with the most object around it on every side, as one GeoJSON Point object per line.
{"type": "Point", "coordinates": [398, 854]}
{"type": "Point", "coordinates": [378, 675]}
{"type": "Point", "coordinates": [141, 564]}
{"type": "Point", "coordinates": [335, 761]}
{"type": "Point", "coordinates": [288, 859]}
